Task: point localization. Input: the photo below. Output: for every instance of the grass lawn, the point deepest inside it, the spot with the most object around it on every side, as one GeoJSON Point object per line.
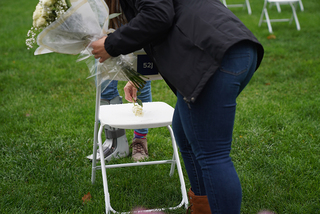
{"type": "Point", "coordinates": [47, 118]}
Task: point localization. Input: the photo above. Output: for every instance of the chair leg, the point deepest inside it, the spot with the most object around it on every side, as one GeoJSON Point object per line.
{"type": "Point", "coordinates": [172, 166]}
{"type": "Point", "coordinates": [94, 157]}
{"type": "Point", "coordinates": [262, 13]}
{"type": "Point", "coordinates": [248, 7]}
{"type": "Point", "coordinates": [278, 7]}
{"type": "Point", "coordinates": [95, 137]}
{"type": "Point", "coordinates": [179, 169]}
{"type": "Point", "coordinates": [268, 20]}
{"type": "Point", "coordinates": [224, 2]}
{"type": "Point", "coordinates": [295, 16]}
{"type": "Point", "coordinates": [301, 5]}
{"type": "Point", "coordinates": [104, 174]}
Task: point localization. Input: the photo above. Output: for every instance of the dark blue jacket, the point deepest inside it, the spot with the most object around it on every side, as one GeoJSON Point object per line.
{"type": "Point", "coordinates": [187, 39]}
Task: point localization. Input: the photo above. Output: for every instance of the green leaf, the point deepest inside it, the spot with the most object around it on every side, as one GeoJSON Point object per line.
{"type": "Point", "coordinates": [114, 15]}
{"type": "Point", "coordinates": [139, 102]}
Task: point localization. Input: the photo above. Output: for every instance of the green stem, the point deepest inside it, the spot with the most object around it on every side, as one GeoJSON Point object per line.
{"type": "Point", "coordinates": [68, 3]}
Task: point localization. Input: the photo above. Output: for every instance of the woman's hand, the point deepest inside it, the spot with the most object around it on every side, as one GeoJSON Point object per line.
{"type": "Point", "coordinates": [99, 51]}
{"type": "Point", "coordinates": [130, 92]}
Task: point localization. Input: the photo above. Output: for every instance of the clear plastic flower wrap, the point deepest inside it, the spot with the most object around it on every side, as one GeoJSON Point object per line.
{"type": "Point", "coordinates": [73, 32]}
{"type": "Point", "coordinates": [116, 68]}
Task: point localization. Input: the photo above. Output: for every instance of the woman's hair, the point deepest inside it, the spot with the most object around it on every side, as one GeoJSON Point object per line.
{"type": "Point", "coordinates": [115, 7]}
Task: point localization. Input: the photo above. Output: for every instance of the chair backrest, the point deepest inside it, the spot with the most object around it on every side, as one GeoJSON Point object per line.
{"type": "Point", "coordinates": [278, 2]}
{"type": "Point", "coordinates": [143, 65]}
{"type": "Point", "coordinates": [282, 1]}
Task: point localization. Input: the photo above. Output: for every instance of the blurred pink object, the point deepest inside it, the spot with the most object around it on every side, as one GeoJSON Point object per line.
{"type": "Point", "coordinates": [266, 212]}
{"type": "Point", "coordinates": [141, 210]}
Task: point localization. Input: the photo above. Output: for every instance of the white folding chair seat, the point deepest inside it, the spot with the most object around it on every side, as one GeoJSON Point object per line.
{"type": "Point", "coordinates": [279, 8]}
{"type": "Point", "coordinates": [156, 114]}
{"type": "Point", "coordinates": [265, 14]}
{"type": "Point", "coordinates": [246, 4]}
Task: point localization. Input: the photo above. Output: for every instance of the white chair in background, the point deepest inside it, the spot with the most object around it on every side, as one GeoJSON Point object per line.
{"type": "Point", "coordinates": [156, 114]}
{"type": "Point", "coordinates": [265, 14]}
{"type": "Point", "coordinates": [279, 8]}
{"type": "Point", "coordinates": [246, 4]}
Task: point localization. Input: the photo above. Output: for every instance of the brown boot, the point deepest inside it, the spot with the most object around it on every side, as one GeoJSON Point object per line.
{"type": "Point", "coordinates": [139, 149]}
{"type": "Point", "coordinates": [198, 203]}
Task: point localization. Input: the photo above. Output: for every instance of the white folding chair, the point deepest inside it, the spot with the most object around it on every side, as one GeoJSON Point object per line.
{"type": "Point", "coordinates": [156, 114]}
{"type": "Point", "coordinates": [265, 14]}
{"type": "Point", "coordinates": [246, 4]}
{"type": "Point", "coordinates": [279, 8]}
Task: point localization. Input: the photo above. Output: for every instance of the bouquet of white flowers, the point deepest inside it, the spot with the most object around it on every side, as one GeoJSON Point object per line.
{"type": "Point", "coordinates": [71, 28]}
{"type": "Point", "coordinates": [46, 12]}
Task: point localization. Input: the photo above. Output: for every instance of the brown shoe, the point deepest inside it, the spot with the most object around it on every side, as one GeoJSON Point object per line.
{"type": "Point", "coordinates": [199, 204]}
{"type": "Point", "coordinates": [139, 149]}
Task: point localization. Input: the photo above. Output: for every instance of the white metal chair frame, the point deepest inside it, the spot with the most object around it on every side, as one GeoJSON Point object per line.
{"type": "Point", "coordinates": [265, 14]}
{"type": "Point", "coordinates": [279, 8]}
{"type": "Point", "coordinates": [105, 115]}
{"type": "Point", "coordinates": [246, 4]}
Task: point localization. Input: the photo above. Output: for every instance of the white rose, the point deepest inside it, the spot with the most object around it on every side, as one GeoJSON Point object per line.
{"type": "Point", "coordinates": [41, 22]}
{"type": "Point", "coordinates": [137, 110]}
{"type": "Point", "coordinates": [48, 2]}
{"type": "Point", "coordinates": [38, 12]}
{"type": "Point", "coordinates": [63, 2]}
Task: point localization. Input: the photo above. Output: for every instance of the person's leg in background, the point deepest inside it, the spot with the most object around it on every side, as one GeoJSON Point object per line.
{"type": "Point", "coordinates": [139, 143]}
{"type": "Point", "coordinates": [110, 95]}
{"type": "Point", "coordinates": [203, 131]}
{"type": "Point", "coordinates": [109, 92]}
{"type": "Point", "coordinates": [120, 146]}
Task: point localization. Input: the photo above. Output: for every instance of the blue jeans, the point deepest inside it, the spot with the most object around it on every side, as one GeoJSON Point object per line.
{"type": "Point", "coordinates": [111, 91]}
{"type": "Point", "coordinates": [203, 130]}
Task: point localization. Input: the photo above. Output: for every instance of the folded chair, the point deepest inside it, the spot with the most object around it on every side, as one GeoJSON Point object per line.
{"type": "Point", "coordinates": [265, 14]}
{"type": "Point", "coordinates": [156, 114]}
{"type": "Point", "coordinates": [246, 4]}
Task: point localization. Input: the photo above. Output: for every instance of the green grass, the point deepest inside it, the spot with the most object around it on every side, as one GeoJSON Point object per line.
{"type": "Point", "coordinates": [47, 118]}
